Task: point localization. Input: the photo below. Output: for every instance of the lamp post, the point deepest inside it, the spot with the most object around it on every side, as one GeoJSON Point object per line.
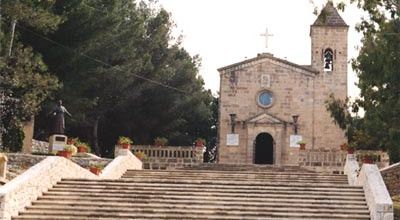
{"type": "Point", "coordinates": [295, 125]}
{"type": "Point", "coordinates": [233, 122]}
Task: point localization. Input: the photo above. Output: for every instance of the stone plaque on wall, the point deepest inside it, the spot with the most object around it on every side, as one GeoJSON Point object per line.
{"type": "Point", "coordinates": [294, 139]}
{"type": "Point", "coordinates": [232, 139]}
{"type": "Point", "coordinates": [265, 80]}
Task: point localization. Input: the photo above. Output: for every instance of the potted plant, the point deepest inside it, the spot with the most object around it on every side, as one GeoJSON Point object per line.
{"type": "Point", "coordinates": [96, 168]}
{"type": "Point", "coordinates": [82, 147]}
{"type": "Point", "coordinates": [141, 155]}
{"type": "Point", "coordinates": [367, 158]}
{"type": "Point", "coordinates": [72, 141]}
{"type": "Point", "coordinates": [200, 142]}
{"type": "Point", "coordinates": [302, 145]}
{"type": "Point", "coordinates": [350, 149]}
{"type": "Point", "coordinates": [124, 142]}
{"type": "Point", "coordinates": [68, 151]}
{"type": "Point", "coordinates": [160, 141]}
{"type": "Point", "coordinates": [344, 146]}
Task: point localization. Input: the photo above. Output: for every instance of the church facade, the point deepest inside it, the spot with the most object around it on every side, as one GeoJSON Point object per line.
{"type": "Point", "coordinates": [261, 98]}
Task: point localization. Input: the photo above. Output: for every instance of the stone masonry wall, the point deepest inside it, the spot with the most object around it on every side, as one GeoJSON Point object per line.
{"type": "Point", "coordinates": [169, 157]}
{"type": "Point", "coordinates": [295, 90]}
{"type": "Point", "coordinates": [19, 163]}
{"type": "Point", "coordinates": [292, 90]}
{"type": "Point", "coordinates": [391, 176]}
{"type": "Point", "coordinates": [326, 133]}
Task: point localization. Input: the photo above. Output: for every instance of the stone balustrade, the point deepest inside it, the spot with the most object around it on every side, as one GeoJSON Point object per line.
{"type": "Point", "coordinates": [169, 157]}
{"type": "Point", "coordinates": [382, 160]}
{"type": "Point", "coordinates": [378, 199]}
{"type": "Point", "coordinates": [322, 160]}
{"type": "Point", "coordinates": [25, 188]}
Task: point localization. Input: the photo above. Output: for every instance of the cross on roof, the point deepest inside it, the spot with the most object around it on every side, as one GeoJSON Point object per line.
{"type": "Point", "coordinates": [266, 35]}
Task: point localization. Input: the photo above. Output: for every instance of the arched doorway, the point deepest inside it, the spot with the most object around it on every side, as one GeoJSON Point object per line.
{"type": "Point", "coordinates": [264, 149]}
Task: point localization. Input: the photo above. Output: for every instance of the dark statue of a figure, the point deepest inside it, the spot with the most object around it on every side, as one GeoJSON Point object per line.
{"type": "Point", "coordinates": [58, 120]}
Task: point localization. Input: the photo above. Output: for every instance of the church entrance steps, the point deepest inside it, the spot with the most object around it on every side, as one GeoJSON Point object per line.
{"type": "Point", "coordinates": [245, 167]}
{"type": "Point", "coordinates": [239, 175]}
{"type": "Point", "coordinates": [174, 208]}
{"type": "Point", "coordinates": [172, 216]}
{"type": "Point", "coordinates": [201, 194]}
{"type": "Point", "coordinates": [199, 191]}
{"type": "Point", "coordinates": [232, 201]}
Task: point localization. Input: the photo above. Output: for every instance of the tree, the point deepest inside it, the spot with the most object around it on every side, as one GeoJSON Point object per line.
{"type": "Point", "coordinates": [24, 80]}
{"type": "Point", "coordinates": [122, 75]}
{"type": "Point", "coordinates": [378, 70]}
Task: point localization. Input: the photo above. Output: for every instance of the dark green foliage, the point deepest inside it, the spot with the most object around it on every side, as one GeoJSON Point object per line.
{"type": "Point", "coordinates": [25, 84]}
{"type": "Point", "coordinates": [378, 69]}
{"type": "Point", "coordinates": [122, 75]}
{"type": "Point", "coordinates": [13, 138]}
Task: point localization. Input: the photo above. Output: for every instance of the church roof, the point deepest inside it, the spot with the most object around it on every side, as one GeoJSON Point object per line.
{"type": "Point", "coordinates": [270, 56]}
{"type": "Point", "coordinates": [329, 16]}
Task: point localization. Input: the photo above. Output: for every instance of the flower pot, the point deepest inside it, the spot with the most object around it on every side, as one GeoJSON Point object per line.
{"type": "Point", "coordinates": [65, 154]}
{"type": "Point", "coordinates": [199, 144]}
{"type": "Point", "coordinates": [302, 146]}
{"type": "Point", "coordinates": [350, 150]}
{"type": "Point", "coordinates": [125, 146]}
{"type": "Point", "coordinates": [82, 149]}
{"type": "Point", "coordinates": [95, 170]}
{"type": "Point", "coordinates": [368, 160]}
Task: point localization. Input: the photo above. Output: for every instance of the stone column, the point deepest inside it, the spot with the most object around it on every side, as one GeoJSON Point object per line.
{"type": "Point", "coordinates": [28, 127]}
{"type": "Point", "coordinates": [3, 166]}
{"type": "Point", "coordinates": [119, 151]}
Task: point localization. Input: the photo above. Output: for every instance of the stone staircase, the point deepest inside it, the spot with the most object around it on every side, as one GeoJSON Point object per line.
{"type": "Point", "coordinates": [204, 193]}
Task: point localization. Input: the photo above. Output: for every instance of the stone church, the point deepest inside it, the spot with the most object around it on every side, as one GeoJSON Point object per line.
{"type": "Point", "coordinates": [268, 104]}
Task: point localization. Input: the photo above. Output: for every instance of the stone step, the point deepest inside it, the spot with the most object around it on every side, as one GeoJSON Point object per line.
{"type": "Point", "coordinates": [216, 182]}
{"type": "Point", "coordinates": [208, 192]}
{"type": "Point", "coordinates": [233, 173]}
{"type": "Point", "coordinates": [212, 196]}
{"type": "Point", "coordinates": [237, 201]}
{"type": "Point", "coordinates": [194, 191]}
{"type": "Point", "coordinates": [187, 213]}
{"type": "Point", "coordinates": [262, 179]}
{"type": "Point", "coordinates": [236, 176]}
{"type": "Point", "coordinates": [126, 208]}
{"type": "Point", "coordinates": [245, 167]}
{"type": "Point", "coordinates": [194, 185]}
{"type": "Point", "coordinates": [171, 216]}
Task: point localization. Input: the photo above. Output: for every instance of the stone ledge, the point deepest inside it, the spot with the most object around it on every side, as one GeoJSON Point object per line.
{"type": "Point", "coordinates": [378, 199]}
{"type": "Point", "coordinates": [121, 164]}
{"type": "Point", "coordinates": [22, 190]}
{"type": "Point", "coordinates": [351, 169]}
{"type": "Point", "coordinates": [19, 192]}
{"type": "Point", "coordinates": [377, 196]}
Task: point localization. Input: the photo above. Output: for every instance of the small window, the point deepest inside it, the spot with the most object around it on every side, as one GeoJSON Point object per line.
{"type": "Point", "coordinates": [328, 60]}
{"type": "Point", "coordinates": [232, 77]}
{"type": "Point", "coordinates": [265, 99]}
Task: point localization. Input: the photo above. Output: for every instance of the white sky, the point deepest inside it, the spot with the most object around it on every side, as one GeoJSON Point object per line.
{"type": "Point", "coordinates": [224, 32]}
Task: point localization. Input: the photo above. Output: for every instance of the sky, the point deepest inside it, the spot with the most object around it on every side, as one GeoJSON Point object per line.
{"type": "Point", "coordinates": [223, 32]}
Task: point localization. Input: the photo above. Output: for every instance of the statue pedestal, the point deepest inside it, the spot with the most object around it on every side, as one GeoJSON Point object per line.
{"type": "Point", "coordinates": [3, 166]}
{"type": "Point", "coordinates": [28, 132]}
{"type": "Point", "coordinates": [57, 142]}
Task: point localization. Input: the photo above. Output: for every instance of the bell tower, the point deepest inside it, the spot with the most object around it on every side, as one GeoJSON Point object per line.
{"type": "Point", "coordinates": [328, 56]}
